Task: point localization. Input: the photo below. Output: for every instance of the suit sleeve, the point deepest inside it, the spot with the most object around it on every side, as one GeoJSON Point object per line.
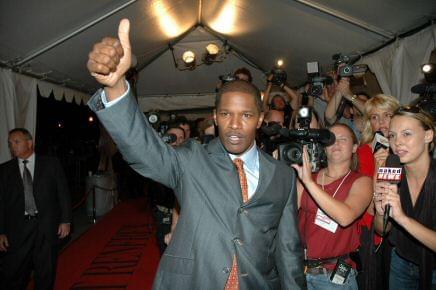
{"type": "Point", "coordinates": [63, 193]}
{"type": "Point", "coordinates": [138, 142]}
{"type": "Point", "coordinates": [289, 251]}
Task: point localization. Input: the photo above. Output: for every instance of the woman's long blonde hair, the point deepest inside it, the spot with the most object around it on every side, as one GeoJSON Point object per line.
{"type": "Point", "coordinates": [380, 102]}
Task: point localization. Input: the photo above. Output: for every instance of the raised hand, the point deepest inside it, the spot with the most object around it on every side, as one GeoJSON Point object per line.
{"type": "Point", "coordinates": [111, 58]}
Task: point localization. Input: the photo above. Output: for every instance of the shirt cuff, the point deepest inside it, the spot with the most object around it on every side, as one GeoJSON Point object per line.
{"type": "Point", "coordinates": [107, 103]}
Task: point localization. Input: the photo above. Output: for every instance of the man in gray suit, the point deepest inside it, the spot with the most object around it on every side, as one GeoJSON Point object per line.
{"type": "Point", "coordinates": [238, 227]}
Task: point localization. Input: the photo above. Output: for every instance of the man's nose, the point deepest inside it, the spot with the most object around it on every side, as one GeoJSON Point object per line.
{"type": "Point", "coordinates": [235, 122]}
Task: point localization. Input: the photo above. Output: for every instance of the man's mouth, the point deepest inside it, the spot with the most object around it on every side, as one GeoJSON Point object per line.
{"type": "Point", "coordinates": [234, 138]}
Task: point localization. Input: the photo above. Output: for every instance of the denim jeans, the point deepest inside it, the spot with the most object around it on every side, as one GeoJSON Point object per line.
{"type": "Point", "coordinates": [322, 282]}
{"type": "Point", "coordinates": [404, 275]}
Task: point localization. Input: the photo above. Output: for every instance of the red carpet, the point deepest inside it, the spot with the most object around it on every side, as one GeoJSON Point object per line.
{"type": "Point", "coordinates": [119, 252]}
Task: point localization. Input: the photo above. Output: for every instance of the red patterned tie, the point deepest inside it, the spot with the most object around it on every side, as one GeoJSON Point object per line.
{"type": "Point", "coordinates": [233, 280]}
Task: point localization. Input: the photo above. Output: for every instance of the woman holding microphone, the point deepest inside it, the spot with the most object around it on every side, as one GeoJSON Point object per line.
{"type": "Point", "coordinates": [412, 223]}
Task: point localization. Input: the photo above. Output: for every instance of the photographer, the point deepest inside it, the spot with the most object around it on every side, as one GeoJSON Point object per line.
{"type": "Point", "coordinates": [268, 142]}
{"type": "Point", "coordinates": [343, 94]}
{"type": "Point", "coordinates": [330, 202]}
{"type": "Point", "coordinates": [278, 101]}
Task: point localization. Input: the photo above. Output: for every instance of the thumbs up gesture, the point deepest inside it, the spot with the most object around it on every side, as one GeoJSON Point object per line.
{"type": "Point", "coordinates": [110, 59]}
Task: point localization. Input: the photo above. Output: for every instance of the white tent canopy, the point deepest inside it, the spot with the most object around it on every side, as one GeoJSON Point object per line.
{"type": "Point", "coordinates": [50, 40]}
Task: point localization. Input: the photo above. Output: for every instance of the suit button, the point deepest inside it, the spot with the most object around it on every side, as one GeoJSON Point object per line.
{"type": "Point", "coordinates": [226, 270]}
{"type": "Point", "coordinates": [242, 211]}
{"type": "Point", "coordinates": [237, 241]}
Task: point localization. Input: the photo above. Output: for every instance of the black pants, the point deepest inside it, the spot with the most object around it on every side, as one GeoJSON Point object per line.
{"type": "Point", "coordinates": [163, 227]}
{"type": "Point", "coordinates": [32, 252]}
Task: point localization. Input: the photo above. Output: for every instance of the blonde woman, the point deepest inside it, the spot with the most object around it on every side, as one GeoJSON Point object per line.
{"type": "Point", "coordinates": [412, 223]}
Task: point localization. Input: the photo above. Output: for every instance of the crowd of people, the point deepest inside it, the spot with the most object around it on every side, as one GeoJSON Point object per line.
{"type": "Point", "coordinates": [231, 214]}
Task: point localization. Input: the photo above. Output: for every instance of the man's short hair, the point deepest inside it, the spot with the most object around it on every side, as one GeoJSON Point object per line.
{"type": "Point", "coordinates": [23, 131]}
{"type": "Point", "coordinates": [181, 120]}
{"type": "Point", "coordinates": [176, 126]}
{"type": "Point", "coordinates": [242, 87]}
{"type": "Point", "coordinates": [244, 71]}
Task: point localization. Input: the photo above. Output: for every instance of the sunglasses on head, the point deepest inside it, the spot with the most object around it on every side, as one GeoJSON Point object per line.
{"type": "Point", "coordinates": [410, 109]}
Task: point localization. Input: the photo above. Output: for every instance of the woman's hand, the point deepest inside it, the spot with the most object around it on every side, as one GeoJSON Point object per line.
{"type": "Point", "coordinates": [305, 170]}
{"type": "Point", "coordinates": [380, 157]}
{"type": "Point", "coordinates": [387, 193]}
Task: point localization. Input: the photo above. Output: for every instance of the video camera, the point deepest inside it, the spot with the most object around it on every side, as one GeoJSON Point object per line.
{"type": "Point", "coordinates": [427, 90]}
{"type": "Point", "coordinates": [279, 76]}
{"type": "Point", "coordinates": [291, 151]}
{"type": "Point", "coordinates": [316, 80]}
{"type": "Point", "coordinates": [343, 64]}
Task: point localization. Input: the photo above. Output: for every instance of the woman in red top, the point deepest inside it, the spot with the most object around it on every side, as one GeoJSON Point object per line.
{"type": "Point", "coordinates": [377, 116]}
{"type": "Point", "coordinates": [330, 202]}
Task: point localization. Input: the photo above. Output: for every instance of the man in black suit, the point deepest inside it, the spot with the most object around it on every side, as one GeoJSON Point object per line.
{"type": "Point", "coordinates": [35, 212]}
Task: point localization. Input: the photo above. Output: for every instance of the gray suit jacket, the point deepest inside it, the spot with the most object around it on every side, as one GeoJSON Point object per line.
{"type": "Point", "coordinates": [214, 224]}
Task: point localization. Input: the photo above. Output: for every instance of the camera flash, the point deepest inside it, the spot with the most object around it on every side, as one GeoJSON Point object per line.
{"type": "Point", "coordinates": [280, 62]}
{"type": "Point", "coordinates": [426, 68]}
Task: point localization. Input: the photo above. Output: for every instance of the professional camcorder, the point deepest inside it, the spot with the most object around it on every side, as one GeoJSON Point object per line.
{"type": "Point", "coordinates": [427, 90]}
{"type": "Point", "coordinates": [343, 63]}
{"type": "Point", "coordinates": [291, 151]}
{"type": "Point", "coordinates": [279, 76]}
{"type": "Point", "coordinates": [316, 80]}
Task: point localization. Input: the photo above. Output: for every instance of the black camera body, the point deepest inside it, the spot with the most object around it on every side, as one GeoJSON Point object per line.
{"type": "Point", "coordinates": [279, 76]}
{"type": "Point", "coordinates": [316, 139]}
{"type": "Point", "coordinates": [343, 63]}
{"type": "Point", "coordinates": [317, 84]}
{"type": "Point", "coordinates": [227, 78]}
{"type": "Point", "coordinates": [316, 81]}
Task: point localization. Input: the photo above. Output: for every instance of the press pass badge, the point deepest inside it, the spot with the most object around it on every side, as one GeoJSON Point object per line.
{"type": "Point", "coordinates": [325, 221]}
{"type": "Point", "coordinates": [341, 272]}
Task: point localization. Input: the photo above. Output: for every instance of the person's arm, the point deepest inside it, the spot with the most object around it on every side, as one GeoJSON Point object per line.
{"type": "Point", "coordinates": [387, 193]}
{"type": "Point", "coordinates": [267, 93]}
{"type": "Point", "coordinates": [138, 142]}
{"type": "Point", "coordinates": [294, 97]}
{"type": "Point", "coordinates": [64, 200]}
{"type": "Point", "coordinates": [343, 212]}
{"type": "Point", "coordinates": [332, 107]}
{"type": "Point", "coordinates": [4, 244]}
{"type": "Point", "coordinates": [289, 251]}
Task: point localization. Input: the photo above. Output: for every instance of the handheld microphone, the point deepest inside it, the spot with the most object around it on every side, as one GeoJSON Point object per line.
{"type": "Point", "coordinates": [392, 174]}
{"type": "Point", "coordinates": [380, 141]}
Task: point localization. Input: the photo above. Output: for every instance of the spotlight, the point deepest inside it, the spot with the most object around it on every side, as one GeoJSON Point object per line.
{"type": "Point", "coordinates": [212, 51]}
{"type": "Point", "coordinates": [189, 58]}
{"type": "Point", "coordinates": [427, 68]}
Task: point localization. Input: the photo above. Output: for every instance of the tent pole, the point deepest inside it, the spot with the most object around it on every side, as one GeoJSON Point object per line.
{"type": "Point", "coordinates": [347, 18]}
{"type": "Point", "coordinates": [72, 34]}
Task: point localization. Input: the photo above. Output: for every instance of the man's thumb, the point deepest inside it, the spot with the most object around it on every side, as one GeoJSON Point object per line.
{"type": "Point", "coordinates": [123, 34]}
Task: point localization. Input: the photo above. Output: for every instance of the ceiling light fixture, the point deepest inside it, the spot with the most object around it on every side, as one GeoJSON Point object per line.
{"type": "Point", "coordinates": [212, 53]}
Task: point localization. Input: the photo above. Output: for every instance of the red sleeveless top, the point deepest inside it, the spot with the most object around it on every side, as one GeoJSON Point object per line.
{"type": "Point", "coordinates": [319, 242]}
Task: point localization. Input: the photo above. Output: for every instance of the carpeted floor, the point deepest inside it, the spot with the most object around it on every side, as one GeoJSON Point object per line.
{"type": "Point", "coordinates": [119, 252]}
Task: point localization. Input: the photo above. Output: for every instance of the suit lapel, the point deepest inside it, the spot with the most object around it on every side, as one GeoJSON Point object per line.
{"type": "Point", "coordinates": [221, 157]}
{"type": "Point", "coordinates": [266, 173]}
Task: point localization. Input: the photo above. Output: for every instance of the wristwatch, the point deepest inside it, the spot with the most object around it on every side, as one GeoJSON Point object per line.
{"type": "Point", "coordinates": [353, 98]}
